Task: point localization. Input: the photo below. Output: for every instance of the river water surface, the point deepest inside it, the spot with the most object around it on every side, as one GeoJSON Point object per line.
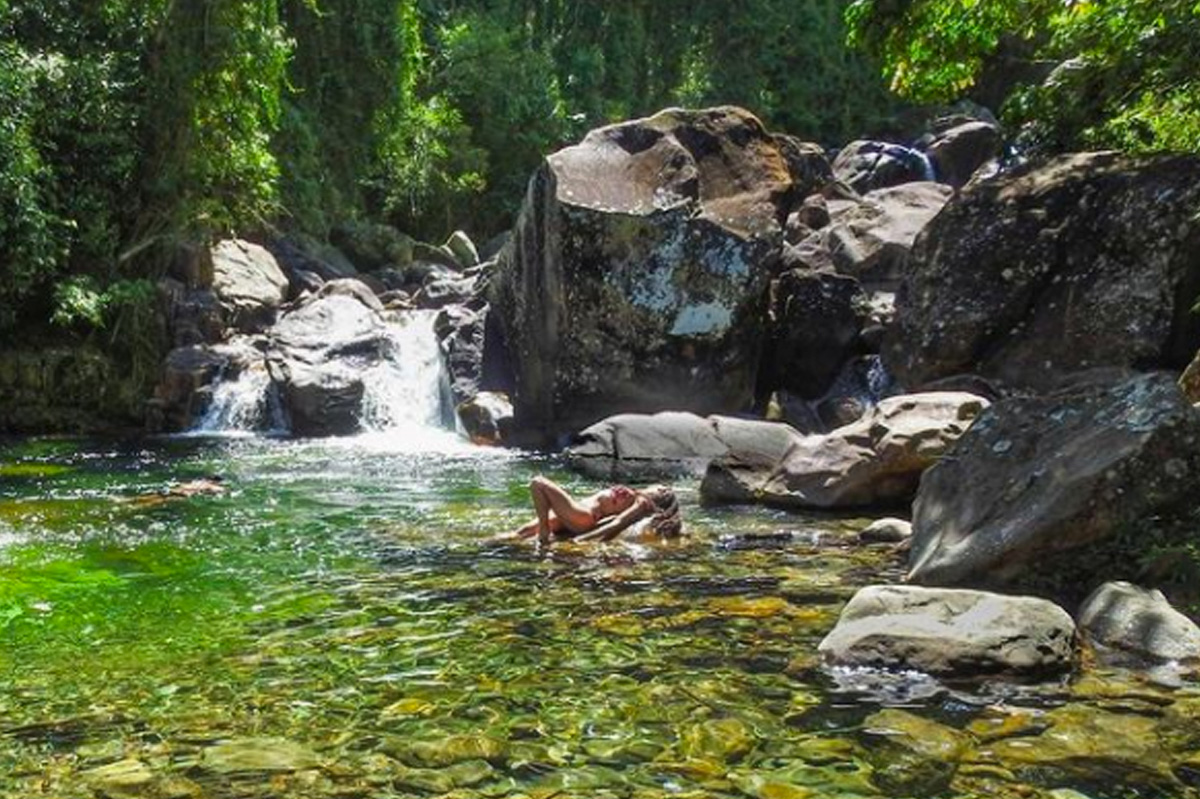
{"type": "Point", "coordinates": [337, 624]}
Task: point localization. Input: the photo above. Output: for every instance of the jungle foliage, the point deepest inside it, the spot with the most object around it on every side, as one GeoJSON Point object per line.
{"type": "Point", "coordinates": [132, 125]}
{"type": "Point", "coordinates": [1083, 74]}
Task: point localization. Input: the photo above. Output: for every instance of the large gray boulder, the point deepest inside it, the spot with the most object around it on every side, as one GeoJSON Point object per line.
{"type": "Point", "coordinates": [1042, 488]}
{"type": "Point", "coordinates": [635, 276]}
{"type": "Point", "coordinates": [877, 460]}
{"type": "Point", "coordinates": [320, 353]}
{"type": "Point", "coordinates": [1084, 262]}
{"type": "Point", "coordinates": [1139, 622]}
{"type": "Point", "coordinates": [870, 239]}
{"type": "Point", "coordinates": [630, 446]}
{"type": "Point", "coordinates": [951, 632]}
{"type": "Point", "coordinates": [248, 283]}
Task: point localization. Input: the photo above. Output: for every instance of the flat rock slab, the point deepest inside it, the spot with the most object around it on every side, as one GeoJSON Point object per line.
{"type": "Point", "coordinates": [631, 445]}
{"type": "Point", "coordinates": [951, 632]}
{"type": "Point", "coordinates": [877, 460]}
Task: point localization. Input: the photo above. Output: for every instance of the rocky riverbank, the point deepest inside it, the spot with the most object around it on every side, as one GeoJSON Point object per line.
{"type": "Point", "coordinates": [995, 353]}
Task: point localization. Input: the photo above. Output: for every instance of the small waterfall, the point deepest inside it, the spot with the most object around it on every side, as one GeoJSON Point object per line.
{"type": "Point", "coordinates": [928, 171]}
{"type": "Point", "coordinates": [245, 404]}
{"type": "Point", "coordinates": [408, 390]}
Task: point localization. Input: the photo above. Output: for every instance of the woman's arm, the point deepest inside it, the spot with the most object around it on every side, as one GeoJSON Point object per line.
{"type": "Point", "coordinates": [613, 526]}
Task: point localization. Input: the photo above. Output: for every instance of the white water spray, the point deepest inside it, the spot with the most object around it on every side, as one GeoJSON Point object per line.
{"type": "Point", "coordinates": [246, 404]}
{"type": "Point", "coordinates": [406, 391]}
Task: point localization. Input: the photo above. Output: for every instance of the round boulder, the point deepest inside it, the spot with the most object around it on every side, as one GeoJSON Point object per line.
{"type": "Point", "coordinates": [951, 632]}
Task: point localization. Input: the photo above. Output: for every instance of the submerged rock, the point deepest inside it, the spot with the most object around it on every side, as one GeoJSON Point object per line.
{"type": "Point", "coordinates": [635, 276]}
{"type": "Point", "coordinates": [125, 779]}
{"type": "Point", "coordinates": [877, 460]}
{"type": "Point", "coordinates": [1041, 487]}
{"type": "Point", "coordinates": [258, 755]}
{"type": "Point", "coordinates": [912, 756]}
{"type": "Point", "coordinates": [1084, 262]}
{"type": "Point", "coordinates": [1082, 742]}
{"type": "Point", "coordinates": [951, 632]}
{"type": "Point", "coordinates": [1142, 623]}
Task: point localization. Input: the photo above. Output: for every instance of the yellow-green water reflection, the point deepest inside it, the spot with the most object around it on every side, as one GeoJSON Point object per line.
{"type": "Point", "coordinates": [337, 625]}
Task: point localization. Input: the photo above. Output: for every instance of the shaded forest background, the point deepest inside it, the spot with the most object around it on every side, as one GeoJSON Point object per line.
{"type": "Point", "coordinates": [130, 126]}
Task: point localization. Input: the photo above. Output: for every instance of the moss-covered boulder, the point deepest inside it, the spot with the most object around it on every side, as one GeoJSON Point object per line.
{"type": "Point", "coordinates": [635, 278]}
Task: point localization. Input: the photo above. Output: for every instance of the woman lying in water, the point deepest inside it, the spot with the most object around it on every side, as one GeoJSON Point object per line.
{"type": "Point", "coordinates": [602, 516]}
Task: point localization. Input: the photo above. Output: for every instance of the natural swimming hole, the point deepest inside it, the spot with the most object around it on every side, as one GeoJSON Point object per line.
{"type": "Point", "coordinates": [337, 625]}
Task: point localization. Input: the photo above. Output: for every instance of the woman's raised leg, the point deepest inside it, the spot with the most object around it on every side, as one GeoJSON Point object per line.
{"type": "Point", "coordinates": [551, 501]}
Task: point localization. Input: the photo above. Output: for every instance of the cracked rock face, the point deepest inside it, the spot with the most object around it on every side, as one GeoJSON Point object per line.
{"type": "Point", "coordinates": [1046, 488]}
{"type": "Point", "coordinates": [1091, 260]}
{"type": "Point", "coordinates": [636, 274]}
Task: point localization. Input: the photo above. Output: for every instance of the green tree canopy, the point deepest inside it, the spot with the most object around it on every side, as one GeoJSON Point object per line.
{"type": "Point", "coordinates": [1074, 74]}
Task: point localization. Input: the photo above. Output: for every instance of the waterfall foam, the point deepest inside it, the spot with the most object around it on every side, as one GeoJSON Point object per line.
{"type": "Point", "coordinates": [405, 393]}
{"type": "Point", "coordinates": [246, 404]}
{"type": "Point", "coordinates": [407, 390]}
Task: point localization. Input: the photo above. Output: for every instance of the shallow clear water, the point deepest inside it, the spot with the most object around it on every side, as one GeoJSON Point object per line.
{"type": "Point", "coordinates": [338, 624]}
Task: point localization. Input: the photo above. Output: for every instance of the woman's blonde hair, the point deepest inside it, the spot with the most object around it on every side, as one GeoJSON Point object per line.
{"type": "Point", "coordinates": [666, 520]}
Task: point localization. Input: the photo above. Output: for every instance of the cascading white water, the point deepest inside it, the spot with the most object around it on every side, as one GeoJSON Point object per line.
{"type": "Point", "coordinates": [245, 404]}
{"type": "Point", "coordinates": [928, 171]}
{"type": "Point", "coordinates": [407, 390]}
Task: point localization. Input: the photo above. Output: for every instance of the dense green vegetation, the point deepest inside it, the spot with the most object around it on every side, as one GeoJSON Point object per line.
{"type": "Point", "coordinates": [1071, 75]}
{"type": "Point", "coordinates": [133, 125]}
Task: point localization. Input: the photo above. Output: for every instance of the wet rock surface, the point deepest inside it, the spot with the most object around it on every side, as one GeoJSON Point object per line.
{"type": "Point", "coordinates": [877, 460]}
{"type": "Point", "coordinates": [1038, 483]}
{"type": "Point", "coordinates": [867, 165]}
{"type": "Point", "coordinates": [951, 632]}
{"type": "Point", "coordinates": [319, 355]}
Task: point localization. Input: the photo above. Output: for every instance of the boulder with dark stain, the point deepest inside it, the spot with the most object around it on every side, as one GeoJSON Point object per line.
{"type": "Point", "coordinates": [1089, 261]}
{"type": "Point", "coordinates": [635, 278]}
{"type": "Point", "coordinates": [1041, 487]}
